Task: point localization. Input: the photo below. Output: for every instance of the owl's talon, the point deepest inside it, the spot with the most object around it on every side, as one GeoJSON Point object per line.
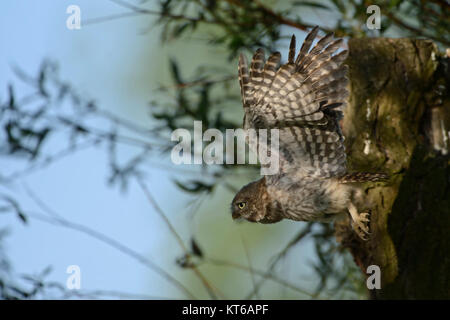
{"type": "Point", "coordinates": [364, 217]}
{"type": "Point", "coordinates": [361, 231]}
{"type": "Point", "coordinates": [360, 222]}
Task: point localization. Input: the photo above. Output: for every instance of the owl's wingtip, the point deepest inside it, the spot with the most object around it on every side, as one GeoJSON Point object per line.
{"type": "Point", "coordinates": [242, 60]}
{"type": "Point", "coordinates": [292, 49]}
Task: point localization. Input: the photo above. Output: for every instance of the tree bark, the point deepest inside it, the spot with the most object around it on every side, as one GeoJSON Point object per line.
{"type": "Point", "coordinates": [398, 122]}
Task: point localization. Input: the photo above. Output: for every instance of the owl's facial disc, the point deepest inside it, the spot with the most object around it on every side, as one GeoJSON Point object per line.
{"type": "Point", "coordinates": [239, 209]}
{"type": "Point", "coordinates": [243, 208]}
{"type": "Point", "coordinates": [245, 203]}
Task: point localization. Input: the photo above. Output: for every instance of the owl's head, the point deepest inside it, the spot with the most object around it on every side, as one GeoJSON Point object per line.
{"type": "Point", "coordinates": [248, 203]}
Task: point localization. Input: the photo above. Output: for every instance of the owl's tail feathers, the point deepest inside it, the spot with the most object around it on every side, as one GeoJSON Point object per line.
{"type": "Point", "coordinates": [363, 177]}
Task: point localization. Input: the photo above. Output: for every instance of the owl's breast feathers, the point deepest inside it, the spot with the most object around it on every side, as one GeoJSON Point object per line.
{"type": "Point", "coordinates": [306, 199]}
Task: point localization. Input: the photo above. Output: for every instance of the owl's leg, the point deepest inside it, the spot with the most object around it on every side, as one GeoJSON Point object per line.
{"type": "Point", "coordinates": [360, 221]}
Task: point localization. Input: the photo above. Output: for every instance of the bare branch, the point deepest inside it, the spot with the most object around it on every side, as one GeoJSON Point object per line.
{"type": "Point", "coordinates": [208, 286]}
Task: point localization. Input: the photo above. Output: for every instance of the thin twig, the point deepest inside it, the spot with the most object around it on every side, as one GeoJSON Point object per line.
{"type": "Point", "coordinates": [282, 254]}
{"type": "Point", "coordinates": [265, 274]}
{"type": "Point", "coordinates": [197, 83]}
{"type": "Point", "coordinates": [278, 17]}
{"type": "Point", "coordinates": [415, 30]}
{"type": "Point", "coordinates": [47, 160]}
{"type": "Point", "coordinates": [141, 10]}
{"type": "Point", "coordinates": [250, 267]}
{"type": "Point", "coordinates": [110, 18]}
{"type": "Point", "coordinates": [93, 294]}
{"type": "Point", "coordinates": [208, 286]}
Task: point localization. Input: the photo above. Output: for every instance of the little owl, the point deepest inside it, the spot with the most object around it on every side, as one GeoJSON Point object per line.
{"type": "Point", "coordinates": [303, 99]}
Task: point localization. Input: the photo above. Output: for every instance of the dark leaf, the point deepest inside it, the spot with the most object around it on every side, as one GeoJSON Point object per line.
{"type": "Point", "coordinates": [196, 249]}
{"type": "Point", "coordinates": [195, 186]}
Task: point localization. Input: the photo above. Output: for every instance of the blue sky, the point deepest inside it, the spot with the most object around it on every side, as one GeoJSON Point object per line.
{"type": "Point", "coordinates": [100, 61]}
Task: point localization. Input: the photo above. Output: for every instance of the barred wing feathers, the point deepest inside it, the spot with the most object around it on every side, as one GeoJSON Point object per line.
{"type": "Point", "coordinates": [303, 98]}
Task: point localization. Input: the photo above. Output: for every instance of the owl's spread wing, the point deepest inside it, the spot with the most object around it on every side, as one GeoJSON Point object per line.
{"type": "Point", "coordinates": [302, 99]}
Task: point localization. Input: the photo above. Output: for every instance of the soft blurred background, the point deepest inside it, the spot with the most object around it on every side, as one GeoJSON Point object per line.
{"type": "Point", "coordinates": [85, 171]}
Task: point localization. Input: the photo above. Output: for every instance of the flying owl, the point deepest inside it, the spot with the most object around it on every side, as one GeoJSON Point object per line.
{"type": "Point", "coordinates": [303, 99]}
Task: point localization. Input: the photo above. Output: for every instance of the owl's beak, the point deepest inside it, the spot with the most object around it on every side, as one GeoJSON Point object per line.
{"type": "Point", "coordinates": [235, 215]}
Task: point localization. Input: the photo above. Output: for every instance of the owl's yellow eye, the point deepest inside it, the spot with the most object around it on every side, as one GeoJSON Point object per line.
{"type": "Point", "coordinates": [241, 205]}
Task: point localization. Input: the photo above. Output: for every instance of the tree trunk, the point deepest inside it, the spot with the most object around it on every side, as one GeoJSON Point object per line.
{"type": "Point", "coordinates": [398, 122]}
